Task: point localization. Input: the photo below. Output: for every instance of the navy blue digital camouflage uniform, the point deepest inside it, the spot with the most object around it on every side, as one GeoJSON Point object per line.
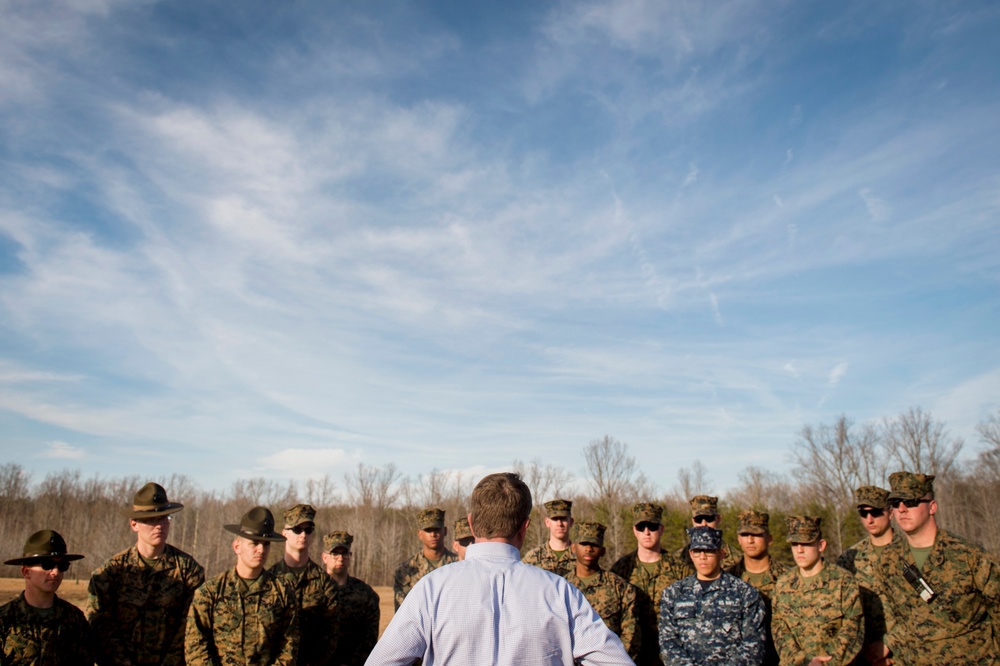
{"type": "Point", "coordinates": [719, 623]}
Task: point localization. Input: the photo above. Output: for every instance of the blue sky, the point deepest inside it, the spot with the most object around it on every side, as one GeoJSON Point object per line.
{"type": "Point", "coordinates": [278, 239]}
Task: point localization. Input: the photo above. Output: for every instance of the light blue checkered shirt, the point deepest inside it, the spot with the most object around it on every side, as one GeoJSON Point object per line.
{"type": "Point", "coordinates": [493, 609]}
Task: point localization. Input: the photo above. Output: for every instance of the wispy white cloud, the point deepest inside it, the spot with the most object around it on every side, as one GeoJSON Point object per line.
{"type": "Point", "coordinates": [878, 210]}
{"type": "Point", "coordinates": [62, 451]}
{"type": "Point", "coordinates": [838, 372]}
{"type": "Point", "coordinates": [692, 175]}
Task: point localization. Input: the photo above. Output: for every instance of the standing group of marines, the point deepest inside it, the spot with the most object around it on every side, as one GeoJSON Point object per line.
{"type": "Point", "coordinates": [927, 597]}
{"type": "Point", "coordinates": [150, 604]}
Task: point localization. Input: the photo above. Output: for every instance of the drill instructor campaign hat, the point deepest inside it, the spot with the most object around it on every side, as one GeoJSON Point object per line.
{"type": "Point", "coordinates": [44, 545]}
{"type": "Point", "coordinates": [151, 502]}
{"type": "Point", "coordinates": [257, 524]}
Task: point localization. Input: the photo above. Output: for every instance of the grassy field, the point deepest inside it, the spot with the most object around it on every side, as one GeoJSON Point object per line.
{"type": "Point", "coordinates": [75, 592]}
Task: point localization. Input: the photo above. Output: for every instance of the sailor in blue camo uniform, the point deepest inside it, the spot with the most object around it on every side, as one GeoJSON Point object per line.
{"type": "Point", "coordinates": [711, 617]}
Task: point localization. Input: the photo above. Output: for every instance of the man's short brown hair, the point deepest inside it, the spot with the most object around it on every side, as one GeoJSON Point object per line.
{"type": "Point", "coordinates": [500, 505]}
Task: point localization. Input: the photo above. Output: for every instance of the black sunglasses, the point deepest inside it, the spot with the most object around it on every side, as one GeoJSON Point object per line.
{"type": "Point", "coordinates": [49, 565]}
{"type": "Point", "coordinates": [703, 519]}
{"type": "Point", "coordinates": [874, 513]}
{"type": "Point", "coordinates": [909, 504]}
{"type": "Point", "coordinates": [646, 525]}
{"type": "Point", "coordinates": [299, 529]}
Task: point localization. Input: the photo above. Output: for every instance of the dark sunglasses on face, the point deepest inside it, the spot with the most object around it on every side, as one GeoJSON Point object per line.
{"type": "Point", "coordinates": [49, 565]}
{"type": "Point", "coordinates": [909, 504]}
{"type": "Point", "coordinates": [646, 525]}
{"type": "Point", "coordinates": [874, 513]}
{"type": "Point", "coordinates": [698, 520]}
{"type": "Point", "coordinates": [299, 529]}
{"type": "Point", "coordinates": [466, 542]}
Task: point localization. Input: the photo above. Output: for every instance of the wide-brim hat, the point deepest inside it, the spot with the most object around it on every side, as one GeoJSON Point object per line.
{"type": "Point", "coordinates": [44, 545]}
{"type": "Point", "coordinates": [151, 502]}
{"type": "Point", "coordinates": [257, 524]}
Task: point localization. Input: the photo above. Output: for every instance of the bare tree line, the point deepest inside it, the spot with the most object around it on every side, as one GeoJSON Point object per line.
{"type": "Point", "coordinates": [378, 505]}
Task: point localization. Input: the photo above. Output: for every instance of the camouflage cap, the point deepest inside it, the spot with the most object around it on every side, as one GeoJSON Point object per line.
{"type": "Point", "coordinates": [703, 505]}
{"type": "Point", "coordinates": [559, 508]}
{"type": "Point", "coordinates": [907, 485]}
{"type": "Point", "coordinates": [704, 537]}
{"type": "Point", "coordinates": [590, 533]}
{"type": "Point", "coordinates": [462, 529]}
{"type": "Point", "coordinates": [872, 496]}
{"type": "Point", "coordinates": [647, 512]}
{"type": "Point", "coordinates": [430, 518]}
{"type": "Point", "coordinates": [754, 522]}
{"type": "Point", "coordinates": [803, 529]}
{"type": "Point", "coordinates": [298, 514]}
{"type": "Point", "coordinates": [337, 540]}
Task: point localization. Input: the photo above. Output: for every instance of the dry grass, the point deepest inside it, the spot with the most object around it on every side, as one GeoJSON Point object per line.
{"type": "Point", "coordinates": [75, 592]}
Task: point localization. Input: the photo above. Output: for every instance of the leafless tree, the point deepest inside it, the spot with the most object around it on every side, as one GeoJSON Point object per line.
{"type": "Point", "coordinates": [613, 478]}
{"type": "Point", "coordinates": [547, 482]}
{"type": "Point", "coordinates": [834, 460]}
{"type": "Point", "coordinates": [762, 490]}
{"type": "Point", "coordinates": [374, 487]}
{"type": "Point", "coordinates": [920, 444]}
{"type": "Point", "coordinates": [692, 481]}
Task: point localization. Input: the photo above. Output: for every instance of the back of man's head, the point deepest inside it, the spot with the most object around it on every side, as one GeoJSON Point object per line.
{"type": "Point", "coordinates": [501, 503]}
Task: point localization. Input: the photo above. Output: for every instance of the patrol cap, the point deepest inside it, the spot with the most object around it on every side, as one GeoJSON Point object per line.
{"type": "Point", "coordinates": [754, 522]}
{"type": "Point", "coordinates": [647, 512]}
{"type": "Point", "coordinates": [430, 519]}
{"type": "Point", "coordinates": [803, 529]}
{"type": "Point", "coordinates": [704, 505]}
{"type": "Point", "coordinates": [338, 539]}
{"type": "Point", "coordinates": [462, 529]}
{"type": "Point", "coordinates": [704, 537]}
{"type": "Point", "coordinates": [257, 524]}
{"type": "Point", "coordinates": [872, 496]}
{"type": "Point", "coordinates": [44, 545]}
{"type": "Point", "coordinates": [907, 485]}
{"type": "Point", "coordinates": [151, 501]}
{"type": "Point", "coordinates": [592, 533]}
{"type": "Point", "coordinates": [559, 508]}
{"type": "Point", "coordinates": [299, 514]}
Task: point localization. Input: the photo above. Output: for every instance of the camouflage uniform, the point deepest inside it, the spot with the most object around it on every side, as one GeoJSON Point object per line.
{"type": "Point", "coordinates": [718, 623]}
{"type": "Point", "coordinates": [545, 558]}
{"type": "Point", "coordinates": [819, 615]}
{"type": "Point", "coordinates": [409, 572]}
{"type": "Point", "coordinates": [610, 595]}
{"type": "Point", "coordinates": [704, 505]}
{"type": "Point", "coordinates": [233, 621]}
{"type": "Point", "coordinates": [358, 626]}
{"type": "Point", "coordinates": [755, 522]}
{"type": "Point", "coordinates": [955, 627]}
{"type": "Point", "coordinates": [137, 611]}
{"type": "Point", "coordinates": [59, 636]}
{"type": "Point", "coordinates": [860, 560]}
{"type": "Point", "coordinates": [318, 607]}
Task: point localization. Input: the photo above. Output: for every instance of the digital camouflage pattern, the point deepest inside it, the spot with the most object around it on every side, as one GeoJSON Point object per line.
{"type": "Point", "coordinates": [358, 606]}
{"type": "Point", "coordinates": [559, 508]}
{"type": "Point", "coordinates": [592, 533]}
{"type": "Point", "coordinates": [316, 595]}
{"type": "Point", "coordinates": [722, 623]}
{"type": "Point", "coordinates": [647, 512]}
{"type": "Point", "coordinates": [907, 485]}
{"type": "Point", "coordinates": [409, 572]}
{"type": "Point", "coordinates": [817, 616]}
{"type": "Point", "coordinates": [804, 529]}
{"type": "Point", "coordinates": [462, 530]}
{"type": "Point", "coordinates": [430, 519]}
{"type": "Point", "coordinates": [545, 558]}
{"type": "Point", "coordinates": [338, 539]}
{"type": "Point", "coordinates": [754, 522]}
{"type": "Point", "coordinates": [860, 560]}
{"type": "Point", "coordinates": [299, 514]}
{"type": "Point", "coordinates": [765, 584]}
{"type": "Point", "coordinates": [649, 581]}
{"type": "Point", "coordinates": [59, 637]}
{"type": "Point", "coordinates": [872, 496]}
{"type": "Point", "coordinates": [683, 558]}
{"type": "Point", "coordinates": [233, 621]}
{"type": "Point", "coordinates": [704, 505]}
{"type": "Point", "coordinates": [955, 627]}
{"type": "Point", "coordinates": [615, 601]}
{"type": "Point", "coordinates": [137, 612]}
